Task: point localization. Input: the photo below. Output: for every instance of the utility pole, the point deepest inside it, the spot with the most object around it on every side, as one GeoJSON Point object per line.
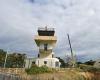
{"type": "Point", "coordinates": [72, 56]}
{"type": "Point", "coordinates": [5, 59]}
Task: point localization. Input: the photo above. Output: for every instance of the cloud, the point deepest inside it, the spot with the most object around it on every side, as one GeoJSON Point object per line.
{"type": "Point", "coordinates": [19, 20]}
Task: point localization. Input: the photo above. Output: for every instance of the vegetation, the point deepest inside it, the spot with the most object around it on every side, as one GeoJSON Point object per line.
{"type": "Point", "coordinates": [68, 74]}
{"type": "Point", "coordinates": [37, 70]}
{"type": "Point", "coordinates": [90, 62]}
{"type": "Point", "coordinates": [2, 57]}
{"type": "Point", "coordinates": [89, 68]}
{"type": "Point", "coordinates": [14, 60]}
{"type": "Point", "coordinates": [63, 64]}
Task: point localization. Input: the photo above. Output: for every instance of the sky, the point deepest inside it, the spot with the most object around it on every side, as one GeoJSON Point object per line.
{"type": "Point", "coordinates": [20, 19]}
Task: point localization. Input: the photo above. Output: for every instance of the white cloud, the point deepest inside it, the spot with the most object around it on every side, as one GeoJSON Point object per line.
{"type": "Point", "coordinates": [19, 20]}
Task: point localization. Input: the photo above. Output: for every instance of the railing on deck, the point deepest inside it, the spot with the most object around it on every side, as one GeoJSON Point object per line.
{"type": "Point", "coordinates": [48, 29]}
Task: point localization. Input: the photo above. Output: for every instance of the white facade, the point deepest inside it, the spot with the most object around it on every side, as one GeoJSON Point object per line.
{"type": "Point", "coordinates": [49, 62]}
{"type": "Point", "coordinates": [47, 57]}
{"type": "Point", "coordinates": [28, 62]}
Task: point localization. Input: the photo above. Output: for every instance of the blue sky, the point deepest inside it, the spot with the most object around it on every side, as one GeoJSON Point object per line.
{"type": "Point", "coordinates": [19, 20]}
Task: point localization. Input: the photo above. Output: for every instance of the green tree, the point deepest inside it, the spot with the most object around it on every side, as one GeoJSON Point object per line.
{"type": "Point", "coordinates": [90, 62]}
{"type": "Point", "coordinates": [2, 57]}
{"type": "Point", "coordinates": [16, 60]}
{"type": "Point", "coordinates": [63, 64]}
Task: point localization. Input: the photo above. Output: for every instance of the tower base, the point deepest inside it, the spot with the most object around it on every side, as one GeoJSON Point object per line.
{"type": "Point", "coordinates": [49, 62]}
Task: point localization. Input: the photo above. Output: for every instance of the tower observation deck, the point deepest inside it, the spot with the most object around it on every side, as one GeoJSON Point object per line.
{"type": "Point", "coordinates": [45, 35]}
{"type": "Point", "coordinates": [46, 31]}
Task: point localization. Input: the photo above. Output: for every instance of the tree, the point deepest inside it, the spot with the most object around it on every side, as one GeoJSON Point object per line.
{"type": "Point", "coordinates": [16, 60]}
{"type": "Point", "coordinates": [63, 64]}
{"type": "Point", "coordinates": [2, 57]}
{"type": "Point", "coordinates": [90, 62]}
{"type": "Point", "coordinates": [13, 60]}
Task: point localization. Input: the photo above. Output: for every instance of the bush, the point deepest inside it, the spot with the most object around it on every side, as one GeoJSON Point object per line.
{"type": "Point", "coordinates": [37, 70]}
{"type": "Point", "coordinates": [89, 68]}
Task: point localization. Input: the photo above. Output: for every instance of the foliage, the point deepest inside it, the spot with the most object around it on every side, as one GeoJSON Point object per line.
{"type": "Point", "coordinates": [16, 60]}
{"type": "Point", "coordinates": [13, 60]}
{"type": "Point", "coordinates": [63, 64]}
{"type": "Point", "coordinates": [89, 68]}
{"type": "Point", "coordinates": [2, 57]}
{"type": "Point", "coordinates": [90, 62]}
{"type": "Point", "coordinates": [36, 70]}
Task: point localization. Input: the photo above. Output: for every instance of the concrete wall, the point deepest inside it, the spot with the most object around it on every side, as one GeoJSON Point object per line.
{"type": "Point", "coordinates": [12, 70]}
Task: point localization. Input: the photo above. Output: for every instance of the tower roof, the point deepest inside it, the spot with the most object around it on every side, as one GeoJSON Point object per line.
{"type": "Point", "coordinates": [46, 31]}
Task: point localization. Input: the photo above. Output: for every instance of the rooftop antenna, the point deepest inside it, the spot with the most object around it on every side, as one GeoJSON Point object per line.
{"type": "Point", "coordinates": [72, 56]}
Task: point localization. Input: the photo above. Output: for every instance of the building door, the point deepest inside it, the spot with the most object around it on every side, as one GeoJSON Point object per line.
{"type": "Point", "coordinates": [56, 64]}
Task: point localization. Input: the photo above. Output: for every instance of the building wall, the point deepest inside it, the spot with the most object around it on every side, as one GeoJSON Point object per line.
{"type": "Point", "coordinates": [45, 53]}
{"type": "Point", "coordinates": [28, 62]}
{"type": "Point", "coordinates": [50, 62]}
{"type": "Point", "coordinates": [50, 46]}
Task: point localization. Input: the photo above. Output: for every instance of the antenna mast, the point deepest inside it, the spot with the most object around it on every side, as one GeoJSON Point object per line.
{"type": "Point", "coordinates": [72, 56]}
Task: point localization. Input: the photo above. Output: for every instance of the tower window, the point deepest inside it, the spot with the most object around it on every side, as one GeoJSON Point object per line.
{"type": "Point", "coordinates": [45, 62]}
{"type": "Point", "coordinates": [33, 62]}
{"type": "Point", "coordinates": [38, 55]}
{"type": "Point", "coordinates": [57, 64]}
{"type": "Point", "coordinates": [52, 55]}
{"type": "Point", "coordinates": [45, 47]}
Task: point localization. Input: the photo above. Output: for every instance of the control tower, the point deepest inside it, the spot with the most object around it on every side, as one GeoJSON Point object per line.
{"type": "Point", "coordinates": [46, 41]}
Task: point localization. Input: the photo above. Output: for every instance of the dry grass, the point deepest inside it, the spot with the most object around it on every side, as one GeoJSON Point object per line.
{"type": "Point", "coordinates": [63, 74]}
{"type": "Point", "coordinates": [67, 74]}
{"type": "Point", "coordinates": [58, 75]}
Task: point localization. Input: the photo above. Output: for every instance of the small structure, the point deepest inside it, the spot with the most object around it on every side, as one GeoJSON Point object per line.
{"type": "Point", "coordinates": [97, 64]}
{"type": "Point", "coordinates": [46, 41]}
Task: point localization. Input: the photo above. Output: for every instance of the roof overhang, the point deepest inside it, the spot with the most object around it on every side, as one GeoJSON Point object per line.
{"type": "Point", "coordinates": [45, 39]}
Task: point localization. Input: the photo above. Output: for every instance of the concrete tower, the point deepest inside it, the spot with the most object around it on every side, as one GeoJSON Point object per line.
{"type": "Point", "coordinates": [46, 41]}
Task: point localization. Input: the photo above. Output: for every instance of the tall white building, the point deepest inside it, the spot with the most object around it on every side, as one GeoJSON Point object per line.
{"type": "Point", "coordinates": [46, 41]}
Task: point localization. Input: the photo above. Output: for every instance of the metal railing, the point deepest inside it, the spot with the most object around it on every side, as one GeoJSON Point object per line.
{"type": "Point", "coordinates": [47, 29]}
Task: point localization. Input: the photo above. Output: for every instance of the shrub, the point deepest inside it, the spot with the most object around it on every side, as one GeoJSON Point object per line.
{"type": "Point", "coordinates": [89, 68]}
{"type": "Point", "coordinates": [37, 70]}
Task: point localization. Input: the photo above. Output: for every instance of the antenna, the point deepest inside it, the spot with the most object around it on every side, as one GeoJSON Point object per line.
{"type": "Point", "coordinates": [72, 56]}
